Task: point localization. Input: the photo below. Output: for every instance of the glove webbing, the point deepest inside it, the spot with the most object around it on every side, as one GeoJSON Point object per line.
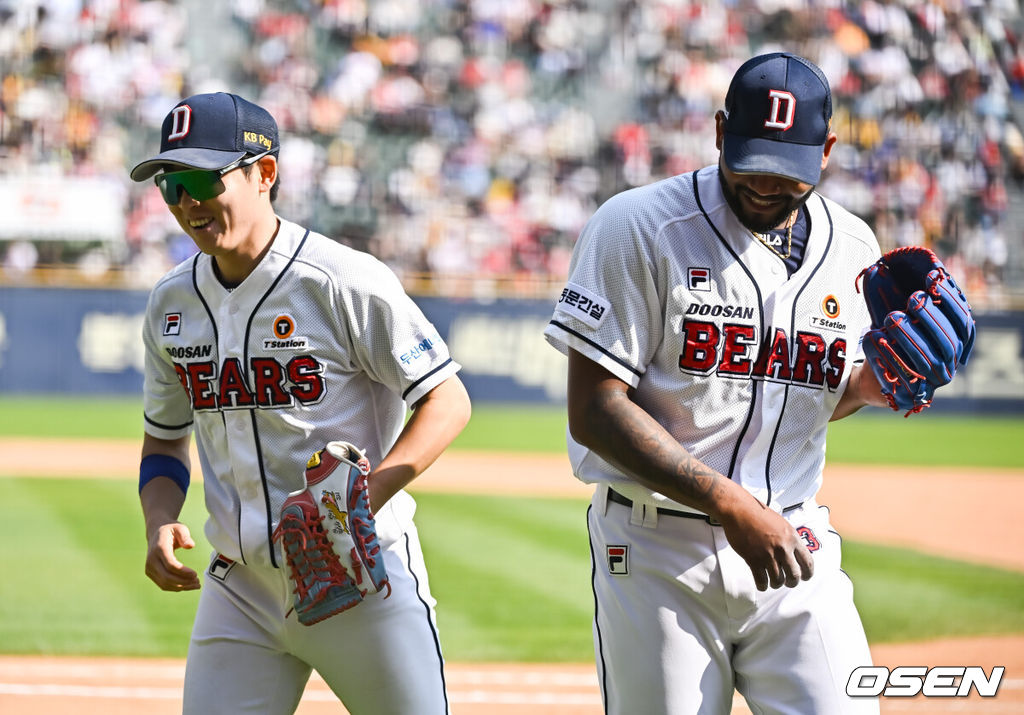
{"type": "Point", "coordinates": [313, 573]}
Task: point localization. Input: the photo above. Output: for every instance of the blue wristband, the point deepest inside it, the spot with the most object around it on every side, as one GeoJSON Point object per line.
{"type": "Point", "coordinates": [162, 465]}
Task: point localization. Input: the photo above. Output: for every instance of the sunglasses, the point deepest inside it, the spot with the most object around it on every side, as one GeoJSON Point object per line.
{"type": "Point", "coordinates": [199, 183]}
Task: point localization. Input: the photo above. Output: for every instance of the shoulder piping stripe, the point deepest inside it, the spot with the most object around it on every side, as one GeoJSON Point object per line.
{"type": "Point", "coordinates": [163, 426]}
{"type": "Point", "coordinates": [591, 343]}
{"type": "Point", "coordinates": [420, 381]}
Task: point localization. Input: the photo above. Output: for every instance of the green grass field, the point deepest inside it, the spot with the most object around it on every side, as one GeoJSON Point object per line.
{"type": "Point", "coordinates": [862, 439]}
{"type": "Point", "coordinates": [511, 575]}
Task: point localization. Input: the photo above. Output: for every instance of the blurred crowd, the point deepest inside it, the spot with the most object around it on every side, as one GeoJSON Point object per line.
{"type": "Point", "coordinates": [475, 138]}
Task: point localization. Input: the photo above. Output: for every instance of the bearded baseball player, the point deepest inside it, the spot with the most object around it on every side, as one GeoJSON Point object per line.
{"type": "Point", "coordinates": [293, 359]}
{"type": "Point", "coordinates": [713, 328]}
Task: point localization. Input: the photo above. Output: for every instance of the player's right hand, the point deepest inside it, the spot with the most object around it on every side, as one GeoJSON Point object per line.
{"type": "Point", "coordinates": [162, 567]}
{"type": "Point", "coordinates": [770, 545]}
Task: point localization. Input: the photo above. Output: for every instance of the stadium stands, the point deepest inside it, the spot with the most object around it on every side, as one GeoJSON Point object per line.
{"type": "Point", "coordinates": [457, 139]}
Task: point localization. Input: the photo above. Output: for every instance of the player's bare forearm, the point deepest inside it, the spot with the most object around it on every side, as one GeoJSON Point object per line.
{"type": "Point", "coordinates": [162, 500]}
{"type": "Point", "coordinates": [612, 425]}
{"type": "Point", "coordinates": [436, 420]}
{"type": "Point", "coordinates": [861, 390]}
{"type": "Point", "coordinates": [604, 418]}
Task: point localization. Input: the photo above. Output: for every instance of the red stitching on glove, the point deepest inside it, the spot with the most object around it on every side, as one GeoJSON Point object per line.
{"type": "Point", "coordinates": [915, 376]}
{"type": "Point", "coordinates": [320, 569]}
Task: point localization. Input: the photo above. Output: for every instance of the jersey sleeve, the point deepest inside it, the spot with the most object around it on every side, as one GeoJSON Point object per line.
{"type": "Point", "coordinates": [167, 410]}
{"type": "Point", "coordinates": [609, 309]}
{"type": "Point", "coordinates": [393, 341]}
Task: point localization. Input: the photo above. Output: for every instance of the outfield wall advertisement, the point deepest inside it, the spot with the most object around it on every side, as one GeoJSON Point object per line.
{"type": "Point", "coordinates": [82, 341]}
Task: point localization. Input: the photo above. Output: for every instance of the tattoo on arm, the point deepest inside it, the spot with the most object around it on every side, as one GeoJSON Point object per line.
{"type": "Point", "coordinates": [702, 478]}
{"type": "Point", "coordinates": [631, 439]}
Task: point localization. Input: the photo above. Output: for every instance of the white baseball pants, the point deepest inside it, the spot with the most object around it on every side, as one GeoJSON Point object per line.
{"type": "Point", "coordinates": [679, 624]}
{"type": "Point", "coordinates": [380, 657]}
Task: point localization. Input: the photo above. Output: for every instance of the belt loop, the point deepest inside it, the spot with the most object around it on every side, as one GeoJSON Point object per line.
{"type": "Point", "coordinates": [643, 516]}
{"type": "Point", "coordinates": [601, 500]}
{"type": "Point", "coordinates": [650, 517]}
{"type": "Point", "coordinates": [636, 516]}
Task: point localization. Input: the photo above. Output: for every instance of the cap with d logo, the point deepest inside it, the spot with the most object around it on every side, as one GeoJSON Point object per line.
{"type": "Point", "coordinates": [211, 131]}
{"type": "Point", "coordinates": [778, 117]}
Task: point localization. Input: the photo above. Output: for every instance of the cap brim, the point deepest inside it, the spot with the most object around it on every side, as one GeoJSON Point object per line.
{"type": "Point", "coordinates": [207, 159]}
{"type": "Point", "coordinates": [754, 155]}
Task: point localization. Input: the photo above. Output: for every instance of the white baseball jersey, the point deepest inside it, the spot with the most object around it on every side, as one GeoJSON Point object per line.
{"type": "Point", "coordinates": [319, 343]}
{"type": "Point", "coordinates": [740, 363]}
{"type": "Point", "coordinates": [743, 365]}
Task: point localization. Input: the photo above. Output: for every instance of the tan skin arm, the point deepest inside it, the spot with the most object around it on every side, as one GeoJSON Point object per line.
{"type": "Point", "coordinates": [862, 389]}
{"type": "Point", "coordinates": [162, 501]}
{"type": "Point", "coordinates": [604, 418]}
{"type": "Point", "coordinates": [437, 419]}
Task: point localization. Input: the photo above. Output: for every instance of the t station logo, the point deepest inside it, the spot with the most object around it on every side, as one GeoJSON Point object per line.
{"type": "Point", "coordinates": [284, 338]}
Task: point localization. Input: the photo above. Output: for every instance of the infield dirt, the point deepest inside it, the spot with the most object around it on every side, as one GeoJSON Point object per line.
{"type": "Point", "coordinates": [934, 511]}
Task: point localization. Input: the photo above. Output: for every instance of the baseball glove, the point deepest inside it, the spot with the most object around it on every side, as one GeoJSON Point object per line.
{"type": "Point", "coordinates": [922, 326]}
{"type": "Point", "coordinates": [329, 537]}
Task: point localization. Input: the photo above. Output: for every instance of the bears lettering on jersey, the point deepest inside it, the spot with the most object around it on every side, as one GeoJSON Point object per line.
{"type": "Point", "coordinates": [732, 350]}
{"type": "Point", "coordinates": [267, 383]}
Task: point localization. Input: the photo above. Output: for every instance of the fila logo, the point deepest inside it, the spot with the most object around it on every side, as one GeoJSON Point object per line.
{"type": "Point", "coordinates": [181, 121]}
{"type": "Point", "coordinates": [618, 559]}
{"type": "Point", "coordinates": [221, 567]}
{"type": "Point", "coordinates": [783, 110]}
{"type": "Point", "coordinates": [172, 323]}
{"type": "Point", "coordinates": [699, 279]}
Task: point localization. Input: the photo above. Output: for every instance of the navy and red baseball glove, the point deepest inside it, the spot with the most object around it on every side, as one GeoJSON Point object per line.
{"type": "Point", "coordinates": [922, 326]}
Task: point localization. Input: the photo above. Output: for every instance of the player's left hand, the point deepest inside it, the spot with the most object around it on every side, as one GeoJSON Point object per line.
{"type": "Point", "coordinates": [923, 329]}
{"type": "Point", "coordinates": [769, 544]}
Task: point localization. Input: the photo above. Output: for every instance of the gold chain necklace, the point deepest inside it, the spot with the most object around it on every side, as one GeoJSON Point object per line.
{"type": "Point", "coordinates": [764, 238]}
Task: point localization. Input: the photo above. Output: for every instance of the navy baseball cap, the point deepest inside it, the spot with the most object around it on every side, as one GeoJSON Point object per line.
{"type": "Point", "coordinates": [211, 131]}
{"type": "Point", "coordinates": [778, 116]}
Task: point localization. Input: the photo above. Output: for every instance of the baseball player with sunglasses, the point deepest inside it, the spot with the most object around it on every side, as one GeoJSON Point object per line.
{"type": "Point", "coordinates": [713, 329]}
{"type": "Point", "coordinates": [270, 343]}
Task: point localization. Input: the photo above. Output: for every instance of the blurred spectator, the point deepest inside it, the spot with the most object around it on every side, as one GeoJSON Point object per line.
{"type": "Point", "coordinates": [475, 138]}
{"type": "Point", "coordinates": [20, 259]}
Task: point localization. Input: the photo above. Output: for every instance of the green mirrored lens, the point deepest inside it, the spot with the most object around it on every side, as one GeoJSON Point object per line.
{"type": "Point", "coordinates": [200, 185]}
